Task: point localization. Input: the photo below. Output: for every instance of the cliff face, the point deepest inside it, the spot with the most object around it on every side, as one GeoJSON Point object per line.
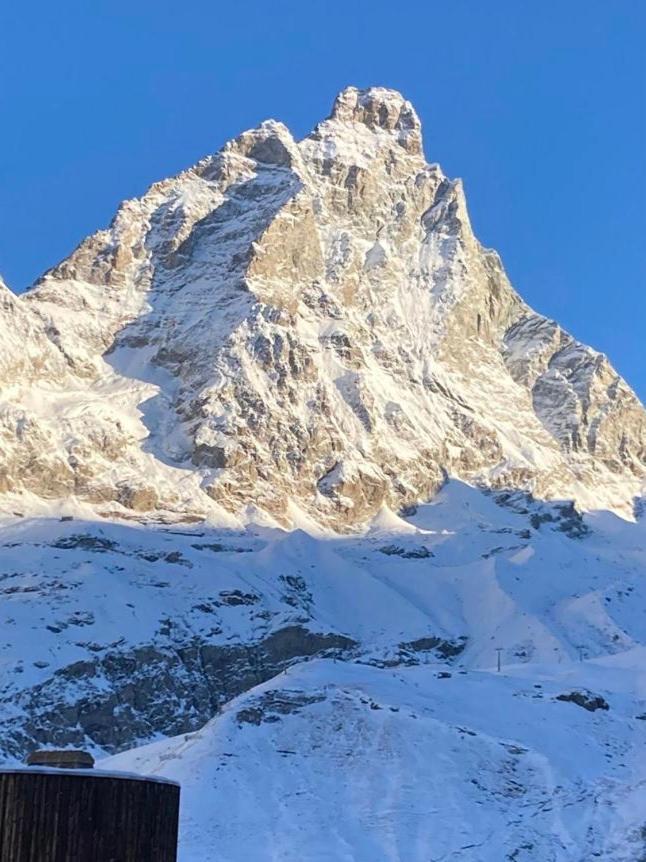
{"type": "Point", "coordinates": [302, 327]}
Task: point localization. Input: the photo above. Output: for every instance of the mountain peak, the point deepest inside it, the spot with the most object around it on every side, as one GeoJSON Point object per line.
{"type": "Point", "coordinates": [380, 108]}
{"type": "Point", "coordinates": [304, 327]}
{"type": "Point", "coordinates": [271, 143]}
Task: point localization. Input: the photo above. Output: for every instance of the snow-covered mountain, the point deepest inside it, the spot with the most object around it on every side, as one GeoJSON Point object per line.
{"type": "Point", "coordinates": [309, 328]}
{"type": "Point", "coordinates": [347, 685]}
{"type": "Point", "coordinates": [286, 464]}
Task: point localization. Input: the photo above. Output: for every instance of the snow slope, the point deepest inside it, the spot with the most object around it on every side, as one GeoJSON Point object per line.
{"type": "Point", "coordinates": [362, 764]}
{"type": "Point", "coordinates": [359, 714]}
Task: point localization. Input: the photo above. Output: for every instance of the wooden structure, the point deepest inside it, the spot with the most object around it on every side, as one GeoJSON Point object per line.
{"type": "Point", "coordinates": [64, 759]}
{"type": "Point", "coordinates": [82, 815]}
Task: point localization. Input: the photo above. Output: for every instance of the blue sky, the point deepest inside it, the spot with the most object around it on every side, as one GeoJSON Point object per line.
{"type": "Point", "coordinates": [539, 106]}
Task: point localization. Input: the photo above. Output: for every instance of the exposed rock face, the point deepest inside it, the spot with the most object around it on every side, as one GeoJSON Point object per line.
{"type": "Point", "coordinates": [110, 700]}
{"type": "Point", "coordinates": [303, 323]}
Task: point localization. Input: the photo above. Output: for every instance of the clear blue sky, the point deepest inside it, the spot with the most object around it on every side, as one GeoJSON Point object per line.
{"type": "Point", "coordinates": [539, 106]}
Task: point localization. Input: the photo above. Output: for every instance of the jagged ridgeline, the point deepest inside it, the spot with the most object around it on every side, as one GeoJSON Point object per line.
{"type": "Point", "coordinates": [308, 328]}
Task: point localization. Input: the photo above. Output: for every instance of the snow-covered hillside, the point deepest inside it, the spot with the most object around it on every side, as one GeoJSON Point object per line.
{"type": "Point", "coordinates": [114, 633]}
{"type": "Point", "coordinates": [286, 467]}
{"type": "Point", "coordinates": [359, 713]}
{"type": "Point", "coordinates": [351, 763]}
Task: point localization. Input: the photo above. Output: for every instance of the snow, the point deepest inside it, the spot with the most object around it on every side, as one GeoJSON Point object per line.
{"type": "Point", "coordinates": [380, 756]}
{"type": "Point", "coordinates": [492, 577]}
{"type": "Point", "coordinates": [357, 763]}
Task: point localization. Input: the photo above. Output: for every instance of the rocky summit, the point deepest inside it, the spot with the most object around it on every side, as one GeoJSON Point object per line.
{"type": "Point", "coordinates": [305, 329]}
{"type": "Point", "coordinates": [303, 506]}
